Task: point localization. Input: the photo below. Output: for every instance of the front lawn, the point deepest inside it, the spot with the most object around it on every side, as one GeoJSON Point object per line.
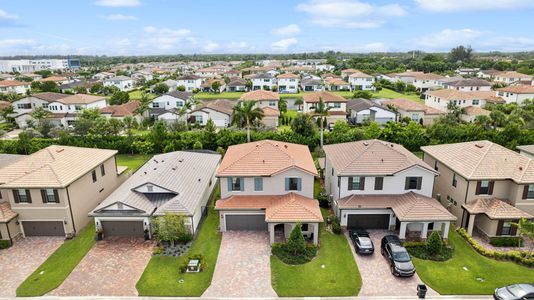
{"type": "Point", "coordinates": [223, 95]}
{"type": "Point", "coordinates": [132, 161]}
{"type": "Point", "coordinates": [58, 266]}
{"type": "Point", "coordinates": [390, 94]}
{"type": "Point", "coordinates": [332, 273]}
{"type": "Point", "coordinates": [161, 276]}
{"type": "Point", "coordinates": [136, 95]}
{"type": "Point", "coordinates": [469, 273]}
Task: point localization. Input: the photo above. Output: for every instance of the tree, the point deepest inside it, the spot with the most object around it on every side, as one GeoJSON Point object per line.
{"type": "Point", "coordinates": [455, 111]}
{"type": "Point", "coordinates": [96, 88]}
{"type": "Point", "coordinates": [144, 105]}
{"type": "Point", "coordinates": [180, 88]}
{"type": "Point", "coordinates": [44, 126]}
{"type": "Point", "coordinates": [299, 102]}
{"type": "Point", "coordinates": [245, 113]}
{"type": "Point", "coordinates": [45, 86]}
{"type": "Point", "coordinates": [322, 110]}
{"type": "Point", "coordinates": [434, 245]}
{"type": "Point", "coordinates": [363, 94]}
{"type": "Point", "coordinates": [171, 228]}
{"type": "Point", "coordinates": [304, 125]}
{"type": "Point", "coordinates": [215, 86]}
{"type": "Point", "coordinates": [119, 97]}
{"type": "Point", "coordinates": [461, 54]}
{"type": "Point", "coordinates": [161, 88]}
{"type": "Point", "coordinates": [296, 244]}
{"type": "Point", "coordinates": [248, 84]}
{"type": "Point", "coordinates": [158, 136]}
{"type": "Point", "coordinates": [525, 228]}
{"type": "Point", "coordinates": [400, 86]}
{"type": "Point", "coordinates": [189, 104]}
{"type": "Point", "coordinates": [282, 105]}
{"type": "Point", "coordinates": [210, 126]}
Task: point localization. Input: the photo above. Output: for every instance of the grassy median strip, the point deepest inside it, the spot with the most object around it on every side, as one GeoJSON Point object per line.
{"type": "Point", "coordinates": [59, 265]}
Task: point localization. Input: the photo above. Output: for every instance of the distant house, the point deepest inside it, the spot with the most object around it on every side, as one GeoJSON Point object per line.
{"type": "Point", "coordinates": [288, 83]}
{"type": "Point", "coordinates": [363, 110]}
{"type": "Point", "coordinates": [103, 75]}
{"type": "Point", "coordinates": [509, 77]}
{"type": "Point", "coordinates": [516, 93]}
{"type": "Point", "coordinates": [469, 85]}
{"type": "Point", "coordinates": [85, 84]}
{"type": "Point", "coordinates": [414, 111]}
{"type": "Point", "coordinates": [172, 84]}
{"type": "Point", "coordinates": [166, 107]}
{"type": "Point", "coordinates": [336, 84]}
{"type": "Point", "coordinates": [57, 79]}
{"type": "Point", "coordinates": [220, 111]}
{"type": "Point", "coordinates": [467, 71]}
{"type": "Point", "coordinates": [14, 86]}
{"type": "Point", "coordinates": [441, 98]}
{"type": "Point", "coordinates": [311, 85]}
{"type": "Point", "coordinates": [324, 68]}
{"type": "Point", "coordinates": [347, 72]}
{"type": "Point", "coordinates": [361, 81]}
{"type": "Point", "coordinates": [268, 102]}
{"type": "Point", "coordinates": [487, 74]}
{"type": "Point", "coordinates": [207, 86]}
{"type": "Point", "coordinates": [123, 83]}
{"type": "Point", "coordinates": [262, 81]}
{"type": "Point", "coordinates": [190, 82]}
{"type": "Point", "coordinates": [337, 104]}
{"type": "Point", "coordinates": [426, 81]}
{"type": "Point", "coordinates": [145, 75]}
{"type": "Point", "coordinates": [526, 150]}
{"type": "Point", "coordinates": [122, 110]}
{"type": "Point", "coordinates": [208, 72]}
{"type": "Point", "coordinates": [236, 85]}
{"type": "Point", "coordinates": [472, 112]}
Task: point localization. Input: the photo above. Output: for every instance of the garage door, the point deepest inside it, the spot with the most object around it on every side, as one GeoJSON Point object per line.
{"type": "Point", "coordinates": [245, 222]}
{"type": "Point", "coordinates": [368, 221]}
{"type": "Point", "coordinates": [43, 228]}
{"type": "Point", "coordinates": [123, 228]}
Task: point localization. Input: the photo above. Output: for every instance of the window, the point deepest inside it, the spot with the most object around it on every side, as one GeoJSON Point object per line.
{"type": "Point", "coordinates": [24, 106]}
{"type": "Point", "coordinates": [304, 227]}
{"type": "Point", "coordinates": [93, 174]}
{"type": "Point", "coordinates": [258, 184]}
{"type": "Point", "coordinates": [45, 105]}
{"type": "Point", "coordinates": [356, 183]}
{"type": "Point", "coordinates": [179, 103]}
{"type": "Point", "coordinates": [150, 188]}
{"type": "Point", "coordinates": [506, 228]}
{"type": "Point", "coordinates": [379, 183]}
{"type": "Point", "coordinates": [155, 104]}
{"type": "Point", "coordinates": [102, 170]}
{"type": "Point", "coordinates": [50, 196]}
{"type": "Point", "coordinates": [415, 117]}
{"type": "Point", "coordinates": [436, 167]}
{"type": "Point", "coordinates": [272, 103]}
{"type": "Point", "coordinates": [22, 196]}
{"type": "Point", "coordinates": [413, 183]}
{"type": "Point", "coordinates": [484, 187]}
{"type": "Point", "coordinates": [78, 107]}
{"type": "Point", "coordinates": [528, 192]}
{"type": "Point", "coordinates": [454, 180]}
{"type": "Point", "coordinates": [198, 119]}
{"type": "Point", "coordinates": [293, 184]}
{"type": "Point", "coordinates": [476, 102]}
{"type": "Point", "coordinates": [236, 184]}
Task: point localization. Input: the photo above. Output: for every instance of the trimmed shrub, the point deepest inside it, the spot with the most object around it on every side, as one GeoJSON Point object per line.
{"type": "Point", "coordinates": [506, 241]}
{"type": "Point", "coordinates": [4, 244]}
{"type": "Point", "coordinates": [434, 243]}
{"type": "Point", "coordinates": [280, 250]}
{"type": "Point", "coordinates": [336, 226]}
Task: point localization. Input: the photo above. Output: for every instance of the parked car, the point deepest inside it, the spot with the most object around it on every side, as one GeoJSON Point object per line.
{"type": "Point", "coordinates": [362, 242]}
{"type": "Point", "coordinates": [399, 260]}
{"type": "Point", "coordinates": [515, 292]}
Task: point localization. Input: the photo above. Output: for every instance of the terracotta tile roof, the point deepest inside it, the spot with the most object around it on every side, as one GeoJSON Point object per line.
{"type": "Point", "coordinates": [4, 105]}
{"type": "Point", "coordinates": [511, 74]}
{"type": "Point", "coordinates": [6, 214]}
{"type": "Point", "coordinates": [290, 207]}
{"type": "Point", "coordinates": [287, 75]}
{"type": "Point", "coordinates": [469, 82]}
{"type": "Point", "coordinates": [359, 74]}
{"type": "Point", "coordinates": [221, 105]}
{"type": "Point", "coordinates": [407, 207]}
{"type": "Point", "coordinates": [476, 111]}
{"type": "Point", "coordinates": [265, 158]}
{"type": "Point", "coordinates": [335, 81]}
{"type": "Point", "coordinates": [314, 97]}
{"type": "Point", "coordinates": [236, 82]}
{"type": "Point", "coordinates": [53, 78]}
{"type": "Point", "coordinates": [260, 95]}
{"type": "Point", "coordinates": [330, 75]}
{"type": "Point", "coordinates": [126, 109]}
{"type": "Point", "coordinates": [371, 157]}
{"type": "Point", "coordinates": [495, 209]}
{"type": "Point", "coordinates": [409, 105]}
{"type": "Point", "coordinates": [54, 167]}
{"type": "Point", "coordinates": [518, 89]}
{"type": "Point", "coordinates": [483, 160]}
{"type": "Point", "coordinates": [80, 99]}
{"type": "Point", "coordinates": [50, 96]}
{"type": "Point", "coordinates": [270, 112]}
{"type": "Point", "coordinates": [4, 83]}
{"type": "Point", "coordinates": [450, 94]}
{"type": "Point", "coordinates": [350, 71]}
{"type": "Point", "coordinates": [7, 159]}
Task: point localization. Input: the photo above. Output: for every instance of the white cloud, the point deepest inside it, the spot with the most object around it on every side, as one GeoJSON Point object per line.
{"type": "Point", "coordinates": [211, 47]}
{"type": "Point", "coordinates": [291, 29]}
{"type": "Point", "coordinates": [16, 43]}
{"type": "Point", "coordinates": [360, 48]}
{"type": "Point", "coordinates": [449, 38]}
{"type": "Point", "coordinates": [119, 17]}
{"type": "Point", "coordinates": [166, 38]}
{"type": "Point", "coordinates": [283, 45]}
{"type": "Point", "coordinates": [118, 3]}
{"type": "Point", "coordinates": [473, 5]}
{"type": "Point", "coordinates": [350, 13]}
{"type": "Point", "coordinates": [5, 16]}
{"type": "Point", "coordinates": [507, 43]}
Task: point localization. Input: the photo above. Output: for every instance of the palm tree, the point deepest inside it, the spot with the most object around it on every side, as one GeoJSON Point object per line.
{"type": "Point", "coordinates": [299, 102]}
{"type": "Point", "coordinates": [455, 110]}
{"type": "Point", "coordinates": [189, 104]}
{"type": "Point", "coordinates": [245, 113]}
{"type": "Point", "coordinates": [321, 109]}
{"type": "Point", "coordinates": [144, 105]}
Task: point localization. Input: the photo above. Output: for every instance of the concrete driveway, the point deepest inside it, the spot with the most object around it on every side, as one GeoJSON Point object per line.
{"type": "Point", "coordinates": [243, 267]}
{"type": "Point", "coordinates": [376, 275]}
{"type": "Point", "coordinates": [111, 268]}
{"type": "Point", "coordinates": [22, 259]}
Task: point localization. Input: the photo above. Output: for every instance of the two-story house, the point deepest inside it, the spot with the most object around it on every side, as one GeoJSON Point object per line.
{"type": "Point", "coordinates": [220, 111]}
{"type": "Point", "coordinates": [363, 110]}
{"type": "Point", "coordinates": [468, 85]}
{"type": "Point", "coordinates": [14, 86]}
{"type": "Point", "coordinates": [415, 111]}
{"type": "Point", "coordinates": [262, 81]}
{"type": "Point", "coordinates": [509, 77]}
{"type": "Point", "coordinates": [123, 83]}
{"type": "Point", "coordinates": [236, 84]}
{"type": "Point", "coordinates": [190, 82]}
{"type": "Point", "coordinates": [268, 186]}
{"type": "Point", "coordinates": [179, 182]}
{"type": "Point", "coordinates": [9, 229]}
{"type": "Point", "coordinates": [310, 84]}
{"type": "Point", "coordinates": [166, 107]}
{"type": "Point", "coordinates": [337, 104]}
{"type": "Point", "coordinates": [516, 93]}
{"type": "Point", "coordinates": [486, 186]}
{"type": "Point", "coordinates": [441, 98]}
{"type": "Point", "coordinates": [54, 189]}
{"type": "Point", "coordinates": [268, 102]}
{"type": "Point", "coordinates": [380, 185]}
{"type": "Point", "coordinates": [361, 81]}
{"type": "Point", "coordinates": [288, 83]}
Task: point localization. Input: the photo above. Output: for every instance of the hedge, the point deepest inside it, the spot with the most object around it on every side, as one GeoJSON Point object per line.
{"type": "Point", "coordinates": [506, 241]}
{"type": "Point", "coordinates": [519, 257]}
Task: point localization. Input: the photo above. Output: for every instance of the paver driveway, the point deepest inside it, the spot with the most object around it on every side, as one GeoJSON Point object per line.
{"type": "Point", "coordinates": [111, 268]}
{"type": "Point", "coordinates": [243, 266]}
{"type": "Point", "coordinates": [24, 257]}
{"type": "Point", "coordinates": [376, 276]}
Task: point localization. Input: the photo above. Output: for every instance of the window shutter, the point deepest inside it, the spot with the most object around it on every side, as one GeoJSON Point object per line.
{"type": "Point", "coordinates": [419, 182]}
{"type": "Point", "coordinates": [350, 181]}
{"type": "Point", "coordinates": [299, 184]}
{"type": "Point", "coordinates": [362, 183]}
{"type": "Point", "coordinates": [490, 187]}
{"type": "Point", "coordinates": [229, 181]}
{"type": "Point", "coordinates": [287, 183]}
{"type": "Point", "coordinates": [499, 227]}
{"type": "Point", "coordinates": [477, 191]}
{"type": "Point", "coordinates": [43, 196]}
{"type": "Point", "coordinates": [407, 183]}
{"type": "Point", "coordinates": [241, 184]}
{"type": "Point", "coordinates": [16, 197]}
{"type": "Point", "coordinates": [29, 196]}
{"type": "Point", "coordinates": [513, 230]}
{"type": "Point", "coordinates": [56, 195]}
{"type": "Point", "coordinates": [525, 192]}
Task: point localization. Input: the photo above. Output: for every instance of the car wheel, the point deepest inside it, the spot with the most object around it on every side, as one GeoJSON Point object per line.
{"type": "Point", "coordinates": [392, 270]}
{"type": "Point", "coordinates": [382, 251]}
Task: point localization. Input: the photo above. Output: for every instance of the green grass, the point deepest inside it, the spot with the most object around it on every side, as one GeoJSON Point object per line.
{"type": "Point", "coordinates": [136, 95]}
{"type": "Point", "coordinates": [339, 277]}
{"type": "Point", "coordinates": [132, 161]}
{"type": "Point", "coordinates": [284, 128]}
{"type": "Point", "coordinates": [317, 188]}
{"type": "Point", "coordinates": [290, 114]}
{"type": "Point", "coordinates": [161, 275]}
{"type": "Point", "coordinates": [59, 265]}
{"type": "Point", "coordinates": [449, 278]}
{"type": "Point", "coordinates": [223, 95]}
{"type": "Point", "coordinates": [386, 93]}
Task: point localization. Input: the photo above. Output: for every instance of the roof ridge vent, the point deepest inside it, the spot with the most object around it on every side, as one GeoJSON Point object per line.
{"type": "Point", "coordinates": [365, 143]}
{"type": "Point", "coordinates": [479, 145]}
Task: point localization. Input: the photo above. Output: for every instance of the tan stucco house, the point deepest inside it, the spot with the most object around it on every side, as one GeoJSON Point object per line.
{"type": "Point", "coordinates": [336, 103]}
{"type": "Point", "coordinates": [53, 190]}
{"type": "Point", "coordinates": [267, 101]}
{"type": "Point", "coordinates": [268, 186]}
{"type": "Point", "coordinates": [8, 227]}
{"type": "Point", "coordinates": [486, 186]}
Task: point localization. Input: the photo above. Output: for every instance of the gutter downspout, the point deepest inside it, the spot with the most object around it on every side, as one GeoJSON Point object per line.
{"type": "Point", "coordinates": [192, 225]}
{"type": "Point", "coordinates": [70, 209]}
{"type": "Point", "coordinates": [9, 232]}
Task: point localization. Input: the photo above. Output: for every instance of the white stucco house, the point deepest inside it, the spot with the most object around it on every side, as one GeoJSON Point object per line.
{"type": "Point", "coordinates": [14, 86]}
{"type": "Point", "coordinates": [190, 82]}
{"type": "Point", "coordinates": [262, 81]}
{"type": "Point", "coordinates": [288, 83]}
{"type": "Point", "coordinates": [439, 99]}
{"type": "Point", "coordinates": [220, 111]}
{"type": "Point", "coordinates": [363, 110]}
{"type": "Point", "coordinates": [516, 93]}
{"type": "Point", "coordinates": [123, 83]}
{"type": "Point", "coordinates": [361, 81]}
{"type": "Point", "coordinates": [166, 107]}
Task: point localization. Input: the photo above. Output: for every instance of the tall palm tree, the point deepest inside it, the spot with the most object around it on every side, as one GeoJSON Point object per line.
{"type": "Point", "coordinates": [189, 104]}
{"type": "Point", "coordinates": [321, 109]}
{"type": "Point", "coordinates": [299, 102]}
{"type": "Point", "coordinates": [245, 113]}
{"type": "Point", "coordinates": [144, 105]}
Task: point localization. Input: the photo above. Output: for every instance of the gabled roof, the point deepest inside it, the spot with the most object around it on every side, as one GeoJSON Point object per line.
{"type": "Point", "coordinates": [265, 158]}
{"type": "Point", "coordinates": [258, 95]}
{"type": "Point", "coordinates": [372, 157]}
{"type": "Point", "coordinates": [359, 74]}
{"type": "Point", "coordinates": [314, 97]}
{"type": "Point", "coordinates": [310, 81]}
{"type": "Point", "coordinates": [518, 89]}
{"type": "Point", "coordinates": [6, 214]}
{"type": "Point", "coordinates": [122, 110]}
{"type": "Point", "coordinates": [180, 95]}
{"type": "Point", "coordinates": [53, 167]}
{"type": "Point", "coordinates": [186, 175]}
{"type": "Point", "coordinates": [7, 159]}
{"type": "Point", "coordinates": [224, 106]}
{"type": "Point", "coordinates": [469, 82]}
{"type": "Point", "coordinates": [362, 104]}
{"type": "Point", "coordinates": [409, 105]}
{"type": "Point", "coordinates": [80, 99]}
{"type": "Point", "coordinates": [495, 209]}
{"type": "Point", "coordinates": [53, 78]}
{"type": "Point", "coordinates": [476, 111]}
{"type": "Point", "coordinates": [270, 111]}
{"type": "Point", "coordinates": [237, 82]}
{"type": "Point", "coordinates": [4, 83]}
{"type": "Point", "coordinates": [288, 75]}
{"type": "Point", "coordinates": [483, 160]}
{"type": "Point", "coordinates": [118, 78]}
{"type": "Point", "coordinates": [511, 74]}
{"type": "Point", "coordinates": [260, 76]}
{"type": "Point", "coordinates": [49, 96]}
{"type": "Point", "coordinates": [451, 94]}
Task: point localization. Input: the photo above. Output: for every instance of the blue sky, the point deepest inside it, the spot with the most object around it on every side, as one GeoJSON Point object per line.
{"type": "Point", "coordinates": [142, 27]}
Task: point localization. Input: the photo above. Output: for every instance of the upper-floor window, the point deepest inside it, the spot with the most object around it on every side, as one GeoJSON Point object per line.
{"type": "Point", "coordinates": [49, 196]}
{"type": "Point", "coordinates": [476, 102]}
{"type": "Point", "coordinates": [236, 184]}
{"type": "Point", "coordinates": [258, 184]}
{"type": "Point", "coordinates": [22, 196]}
{"type": "Point", "coordinates": [413, 183]}
{"type": "Point", "coordinates": [102, 170]}
{"type": "Point", "coordinates": [454, 180]}
{"type": "Point", "coordinates": [293, 184]}
{"type": "Point", "coordinates": [337, 105]}
{"type": "Point", "coordinates": [272, 103]}
{"type": "Point", "coordinates": [528, 192]}
{"type": "Point", "coordinates": [484, 187]}
{"type": "Point", "coordinates": [155, 104]}
{"type": "Point", "coordinates": [379, 183]}
{"type": "Point", "coordinates": [179, 103]}
{"type": "Point", "coordinates": [356, 183]}
{"type": "Point", "coordinates": [93, 174]}
{"type": "Point", "coordinates": [24, 106]}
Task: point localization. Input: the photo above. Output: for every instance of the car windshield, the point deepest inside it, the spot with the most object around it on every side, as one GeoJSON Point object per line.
{"type": "Point", "coordinates": [365, 241]}
{"type": "Point", "coordinates": [401, 256]}
{"type": "Point", "coordinates": [516, 290]}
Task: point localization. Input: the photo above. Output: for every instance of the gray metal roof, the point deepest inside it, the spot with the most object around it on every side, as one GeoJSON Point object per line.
{"type": "Point", "coordinates": [185, 175]}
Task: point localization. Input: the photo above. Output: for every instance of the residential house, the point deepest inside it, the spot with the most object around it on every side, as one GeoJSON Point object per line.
{"type": "Point", "coordinates": [414, 111]}
{"type": "Point", "coordinates": [85, 84]}
{"type": "Point", "coordinates": [335, 84]}
{"type": "Point", "coordinates": [59, 80]}
{"type": "Point", "coordinates": [236, 85]}
{"type": "Point", "coordinates": [426, 81]}
{"type": "Point", "coordinates": [337, 104]}
{"type": "Point", "coordinates": [220, 111]}
{"type": "Point", "coordinates": [103, 75]}
{"type": "Point", "coordinates": [324, 68]}
{"type": "Point", "coordinates": [178, 182]}
{"type": "Point", "coordinates": [361, 81]}
{"type": "Point", "coordinates": [4, 105]}
{"type": "Point", "coordinates": [120, 111]}
{"type": "Point", "coordinates": [208, 72]}
{"type": "Point", "coordinates": [380, 185]}
{"type": "Point", "coordinates": [9, 229]}
{"type": "Point", "coordinates": [363, 110]}
{"type": "Point", "coordinates": [487, 74]}
{"type": "Point", "coordinates": [123, 83]}
{"type": "Point", "coordinates": [311, 85]}
{"type": "Point", "coordinates": [288, 83]}
{"type": "Point", "coordinates": [443, 82]}
{"type": "Point", "coordinates": [172, 84]}
{"type": "Point", "coordinates": [167, 107]}
{"type": "Point", "coordinates": [472, 112]}
{"type": "Point", "coordinates": [232, 74]}
{"type": "Point", "coordinates": [406, 77]}
{"type": "Point", "coordinates": [268, 186]}
{"type": "Point", "coordinates": [142, 75]}
{"type": "Point", "coordinates": [469, 85]}
{"type": "Point", "coordinates": [347, 72]}
{"type": "Point", "coordinates": [467, 71]}
{"type": "Point", "coordinates": [527, 150]}
{"type": "Point", "coordinates": [54, 189]}
{"type": "Point", "coordinates": [516, 93]}
{"type": "Point", "coordinates": [298, 69]}
{"type": "Point", "coordinates": [14, 86]}
{"type": "Point", "coordinates": [190, 82]}
{"type": "Point", "coordinates": [509, 77]}
{"type": "Point", "coordinates": [262, 81]}
{"type": "Point", "coordinates": [486, 186]}
{"type": "Point", "coordinates": [440, 99]}
{"type": "Point", "coordinates": [207, 86]}
{"type": "Point", "coordinates": [268, 102]}
{"type": "Point", "coordinates": [329, 76]}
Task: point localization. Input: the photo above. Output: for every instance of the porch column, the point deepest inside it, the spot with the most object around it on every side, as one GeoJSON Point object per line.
{"type": "Point", "coordinates": [425, 230]}
{"type": "Point", "coordinates": [446, 231]}
{"type": "Point", "coordinates": [471, 224]}
{"type": "Point", "coordinates": [315, 233]}
{"type": "Point", "coordinates": [402, 230]}
{"type": "Point", "coordinates": [271, 233]}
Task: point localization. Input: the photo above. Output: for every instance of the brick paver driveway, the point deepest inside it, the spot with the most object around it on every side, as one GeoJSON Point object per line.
{"type": "Point", "coordinates": [243, 266]}
{"type": "Point", "coordinates": [376, 276]}
{"type": "Point", "coordinates": [24, 257]}
{"type": "Point", "coordinates": [111, 268]}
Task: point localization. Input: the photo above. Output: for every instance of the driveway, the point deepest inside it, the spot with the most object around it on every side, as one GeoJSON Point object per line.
{"type": "Point", "coordinates": [376, 276]}
{"type": "Point", "coordinates": [243, 266]}
{"type": "Point", "coordinates": [22, 259]}
{"type": "Point", "coordinates": [111, 268]}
